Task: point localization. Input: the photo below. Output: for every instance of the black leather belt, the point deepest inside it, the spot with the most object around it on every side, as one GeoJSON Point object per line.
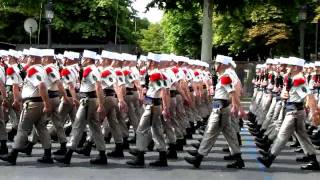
{"type": "Point", "coordinates": [294, 106]}
{"type": "Point", "coordinates": [32, 99]}
{"type": "Point", "coordinates": [53, 94]}
{"type": "Point", "coordinates": [220, 103]}
{"type": "Point", "coordinates": [108, 92]}
{"type": "Point", "coordinates": [131, 89]}
{"type": "Point", "coordinates": [153, 101]}
{"type": "Point", "coordinates": [91, 94]}
{"type": "Point", "coordinates": [173, 93]}
{"type": "Point", "coordinates": [68, 93]}
{"type": "Point", "coordinates": [190, 89]}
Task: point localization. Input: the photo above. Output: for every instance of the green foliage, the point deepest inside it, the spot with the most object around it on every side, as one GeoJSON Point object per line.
{"type": "Point", "coordinates": [81, 21]}
{"type": "Point", "coordinates": [153, 39]}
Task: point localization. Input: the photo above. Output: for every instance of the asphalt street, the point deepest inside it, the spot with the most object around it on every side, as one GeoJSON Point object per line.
{"type": "Point", "coordinates": [213, 167]}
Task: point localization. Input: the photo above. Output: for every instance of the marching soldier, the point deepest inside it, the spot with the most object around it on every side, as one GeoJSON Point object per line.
{"type": "Point", "coordinates": [151, 118]}
{"type": "Point", "coordinates": [219, 119]}
{"type": "Point", "coordinates": [294, 121]}
{"type": "Point", "coordinates": [35, 102]}
{"type": "Point", "coordinates": [91, 105]}
{"type": "Point", "coordinates": [3, 107]}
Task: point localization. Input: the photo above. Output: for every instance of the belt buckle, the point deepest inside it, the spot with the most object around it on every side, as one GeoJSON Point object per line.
{"type": "Point", "coordinates": [217, 105]}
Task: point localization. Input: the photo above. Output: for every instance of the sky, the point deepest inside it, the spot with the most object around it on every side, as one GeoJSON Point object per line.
{"type": "Point", "coordinates": [154, 15]}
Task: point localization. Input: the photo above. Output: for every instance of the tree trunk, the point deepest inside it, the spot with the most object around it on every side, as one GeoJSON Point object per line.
{"type": "Point", "coordinates": [206, 46]}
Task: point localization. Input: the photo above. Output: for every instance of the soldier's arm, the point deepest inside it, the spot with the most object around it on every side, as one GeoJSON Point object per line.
{"type": "Point", "coordinates": [62, 91]}
{"type": "Point", "coordinates": [45, 97]}
{"type": "Point", "coordinates": [16, 93]}
{"type": "Point", "coordinates": [3, 90]}
{"type": "Point", "coordinates": [99, 93]}
{"type": "Point", "coordinates": [235, 100]}
{"type": "Point", "coordinates": [73, 94]}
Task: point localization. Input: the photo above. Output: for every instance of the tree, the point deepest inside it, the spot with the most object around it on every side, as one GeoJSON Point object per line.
{"type": "Point", "coordinates": [81, 21]}
{"type": "Point", "coordinates": [153, 39]}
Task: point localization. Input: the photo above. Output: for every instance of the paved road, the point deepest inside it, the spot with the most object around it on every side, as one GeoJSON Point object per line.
{"type": "Point", "coordinates": [213, 167]}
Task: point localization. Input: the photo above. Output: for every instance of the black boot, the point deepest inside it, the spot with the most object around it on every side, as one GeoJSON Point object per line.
{"type": "Point", "coordinates": [295, 144]}
{"type": "Point", "coordinates": [62, 151]}
{"type": "Point", "coordinates": [28, 149]}
{"type": "Point", "coordinates": [46, 158]}
{"type": "Point", "coordinates": [11, 134]}
{"type": "Point", "coordinates": [66, 158]}
{"type": "Point", "coordinates": [107, 138]}
{"type": "Point", "coordinates": [228, 157]}
{"type": "Point", "coordinates": [303, 159]}
{"type": "Point", "coordinates": [101, 159]}
{"type": "Point", "coordinates": [86, 149]}
{"type": "Point", "coordinates": [313, 164]}
{"type": "Point", "coordinates": [126, 143]}
{"type": "Point", "coordinates": [133, 139]}
{"type": "Point", "coordinates": [263, 153]}
{"type": "Point", "coordinates": [151, 145]}
{"type": "Point", "coordinates": [4, 147]}
{"type": "Point", "coordinates": [310, 130]}
{"type": "Point", "coordinates": [82, 140]}
{"type": "Point", "coordinates": [193, 152]}
{"type": "Point", "coordinates": [239, 139]}
{"type": "Point", "coordinates": [11, 157]}
{"type": "Point", "coordinates": [179, 145]}
{"type": "Point", "coordinates": [68, 130]}
{"type": "Point", "coordinates": [298, 150]}
{"type": "Point", "coordinates": [162, 161]}
{"type": "Point", "coordinates": [172, 152]}
{"type": "Point", "coordinates": [316, 135]}
{"type": "Point", "coordinates": [251, 117]}
{"type": "Point", "coordinates": [238, 164]}
{"type": "Point", "coordinates": [267, 160]}
{"type": "Point", "coordinates": [195, 161]}
{"type": "Point", "coordinates": [195, 145]}
{"type": "Point", "coordinates": [139, 161]}
{"type": "Point", "coordinates": [117, 152]}
{"type": "Point", "coordinates": [265, 146]}
{"type": "Point", "coordinates": [225, 149]}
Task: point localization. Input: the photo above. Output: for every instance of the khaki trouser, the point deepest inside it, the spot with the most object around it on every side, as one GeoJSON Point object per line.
{"type": "Point", "coordinates": [255, 105]}
{"type": "Point", "coordinates": [168, 123]}
{"type": "Point", "coordinates": [56, 118]}
{"type": "Point", "coordinates": [110, 106]}
{"type": "Point", "coordinates": [150, 120]}
{"type": "Point", "coordinates": [87, 114]}
{"type": "Point", "coordinates": [181, 120]}
{"type": "Point", "coordinates": [270, 113]}
{"type": "Point", "coordinates": [271, 129]}
{"type": "Point", "coordinates": [11, 114]}
{"type": "Point", "coordinates": [132, 112]}
{"type": "Point", "coordinates": [122, 122]}
{"type": "Point", "coordinates": [219, 121]}
{"type": "Point", "coordinates": [294, 122]}
{"type": "Point", "coordinates": [32, 116]}
{"type": "Point", "coordinates": [265, 104]}
{"type": "Point", "coordinates": [175, 119]}
{"type": "Point", "coordinates": [3, 130]}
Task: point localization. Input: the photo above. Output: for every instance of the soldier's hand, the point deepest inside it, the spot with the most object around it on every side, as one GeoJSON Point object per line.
{"type": "Point", "coordinates": [101, 111]}
{"type": "Point", "coordinates": [284, 95]}
{"type": "Point", "coordinates": [123, 106]}
{"type": "Point", "coordinates": [75, 102]}
{"type": "Point", "coordinates": [47, 107]}
{"type": "Point", "coordinates": [165, 113]}
{"type": "Point", "coordinates": [234, 110]}
{"type": "Point", "coordinates": [5, 105]}
{"type": "Point", "coordinates": [16, 105]}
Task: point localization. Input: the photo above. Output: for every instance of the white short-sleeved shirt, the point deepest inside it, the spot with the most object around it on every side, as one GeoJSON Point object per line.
{"type": "Point", "coordinates": [90, 77]}
{"type": "Point", "coordinates": [156, 83]}
{"type": "Point", "coordinates": [53, 76]}
{"type": "Point", "coordinates": [13, 75]}
{"type": "Point", "coordinates": [36, 75]}
{"type": "Point", "coordinates": [108, 78]}
{"type": "Point", "coordinates": [224, 87]}
{"type": "Point", "coordinates": [69, 75]}
{"type": "Point", "coordinates": [299, 90]}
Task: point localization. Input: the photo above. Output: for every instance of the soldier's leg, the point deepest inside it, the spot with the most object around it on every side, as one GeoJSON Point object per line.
{"type": "Point", "coordinates": [269, 115]}
{"type": "Point", "coordinates": [285, 132]}
{"type": "Point", "coordinates": [132, 113]}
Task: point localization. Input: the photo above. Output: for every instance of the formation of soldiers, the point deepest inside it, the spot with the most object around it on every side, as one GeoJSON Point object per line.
{"type": "Point", "coordinates": [84, 100]}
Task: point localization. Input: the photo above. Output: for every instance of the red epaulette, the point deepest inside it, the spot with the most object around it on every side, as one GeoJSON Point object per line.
{"type": "Point", "coordinates": [119, 73]}
{"type": "Point", "coordinates": [65, 72]}
{"type": "Point", "coordinates": [32, 71]}
{"type": "Point", "coordinates": [105, 73]}
{"type": "Point", "coordinates": [86, 72]}
{"type": "Point", "coordinates": [126, 72]}
{"type": "Point", "coordinates": [175, 70]}
{"type": "Point", "coordinates": [298, 82]}
{"type": "Point", "coordinates": [10, 71]}
{"type": "Point", "coordinates": [49, 70]}
{"type": "Point", "coordinates": [155, 77]}
{"type": "Point", "coordinates": [225, 80]}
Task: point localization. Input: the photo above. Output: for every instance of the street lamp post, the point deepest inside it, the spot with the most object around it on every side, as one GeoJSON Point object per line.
{"type": "Point", "coordinates": [302, 20]}
{"type": "Point", "coordinates": [49, 14]}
